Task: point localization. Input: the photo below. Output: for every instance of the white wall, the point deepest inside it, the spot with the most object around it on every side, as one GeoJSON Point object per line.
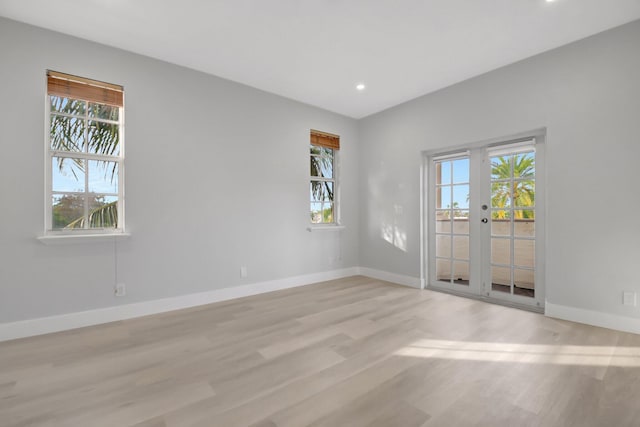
{"type": "Point", "coordinates": [587, 95]}
{"type": "Point", "coordinates": [216, 177]}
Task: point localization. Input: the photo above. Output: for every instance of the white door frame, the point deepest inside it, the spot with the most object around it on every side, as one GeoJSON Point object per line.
{"type": "Point", "coordinates": [478, 254]}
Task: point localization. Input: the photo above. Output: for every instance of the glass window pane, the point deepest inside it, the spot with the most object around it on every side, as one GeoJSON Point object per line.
{"type": "Point", "coordinates": [524, 165]}
{"type": "Point", "coordinates": [106, 112]}
{"type": "Point", "coordinates": [443, 197]}
{"type": "Point", "coordinates": [60, 104]}
{"type": "Point", "coordinates": [104, 138]}
{"type": "Point", "coordinates": [500, 223]}
{"type": "Point", "coordinates": [524, 253]}
{"type": "Point", "coordinates": [320, 151]}
{"type": "Point", "coordinates": [327, 212]}
{"type": "Point", "coordinates": [443, 245]}
{"type": "Point", "coordinates": [524, 279]}
{"type": "Point", "coordinates": [501, 167]}
{"type": "Point", "coordinates": [67, 174]}
{"type": "Point", "coordinates": [500, 214]}
{"type": "Point", "coordinates": [524, 223]}
{"type": "Point", "coordinates": [67, 133]}
{"type": "Point", "coordinates": [461, 196]}
{"type": "Point", "coordinates": [316, 212]}
{"type": "Point", "coordinates": [460, 171]}
{"type": "Point", "coordinates": [445, 172]}
{"type": "Point", "coordinates": [461, 223]}
{"type": "Point", "coordinates": [443, 221]}
{"type": "Point", "coordinates": [524, 193]}
{"type": "Point", "coordinates": [103, 177]}
{"type": "Point", "coordinates": [321, 190]}
{"type": "Point", "coordinates": [321, 166]}
{"type": "Point", "coordinates": [461, 247]}
{"type": "Point", "coordinates": [501, 279]}
{"type": "Point", "coordinates": [103, 211]}
{"type": "Point", "coordinates": [500, 195]}
{"type": "Point", "coordinates": [501, 251]}
{"type": "Point", "coordinates": [462, 213]}
{"type": "Point", "coordinates": [66, 208]}
{"type": "Point", "coordinates": [461, 272]}
{"type": "Point", "coordinates": [524, 215]}
{"type": "Point", "coordinates": [443, 270]}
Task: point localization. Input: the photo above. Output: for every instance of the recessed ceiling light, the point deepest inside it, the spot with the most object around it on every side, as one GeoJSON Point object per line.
{"type": "Point", "coordinates": [360, 86]}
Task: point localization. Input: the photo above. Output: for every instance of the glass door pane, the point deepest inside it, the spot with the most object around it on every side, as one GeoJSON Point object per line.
{"type": "Point", "coordinates": [452, 221]}
{"type": "Point", "coordinates": [512, 232]}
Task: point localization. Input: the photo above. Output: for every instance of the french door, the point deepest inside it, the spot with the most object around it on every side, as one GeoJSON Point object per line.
{"type": "Point", "coordinates": [485, 221]}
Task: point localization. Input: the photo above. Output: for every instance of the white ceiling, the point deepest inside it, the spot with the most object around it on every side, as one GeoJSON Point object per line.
{"type": "Point", "coordinates": [315, 51]}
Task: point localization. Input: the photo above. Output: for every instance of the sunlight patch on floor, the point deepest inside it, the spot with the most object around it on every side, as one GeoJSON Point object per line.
{"type": "Point", "coordinates": [524, 353]}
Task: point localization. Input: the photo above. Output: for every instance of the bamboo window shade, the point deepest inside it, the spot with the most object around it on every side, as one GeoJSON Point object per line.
{"type": "Point", "coordinates": [69, 86]}
{"type": "Point", "coordinates": [326, 140]}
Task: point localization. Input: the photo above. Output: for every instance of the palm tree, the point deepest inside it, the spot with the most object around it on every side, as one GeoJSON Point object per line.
{"type": "Point", "coordinates": [68, 133]}
{"type": "Point", "coordinates": [322, 167]}
{"type": "Point", "coordinates": [104, 216]}
{"type": "Point", "coordinates": [520, 190]}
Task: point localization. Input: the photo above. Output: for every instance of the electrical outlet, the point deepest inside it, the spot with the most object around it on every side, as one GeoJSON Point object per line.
{"type": "Point", "coordinates": [629, 298]}
{"type": "Point", "coordinates": [243, 271]}
{"type": "Point", "coordinates": [120, 290]}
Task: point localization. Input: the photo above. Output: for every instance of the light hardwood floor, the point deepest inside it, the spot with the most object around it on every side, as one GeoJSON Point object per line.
{"type": "Point", "coordinates": [350, 352]}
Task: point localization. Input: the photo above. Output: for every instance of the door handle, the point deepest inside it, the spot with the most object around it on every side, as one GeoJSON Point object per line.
{"type": "Point", "coordinates": [484, 220]}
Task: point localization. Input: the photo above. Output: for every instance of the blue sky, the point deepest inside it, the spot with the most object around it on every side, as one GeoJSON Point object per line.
{"type": "Point", "coordinates": [99, 177]}
{"type": "Point", "coordinates": [460, 175]}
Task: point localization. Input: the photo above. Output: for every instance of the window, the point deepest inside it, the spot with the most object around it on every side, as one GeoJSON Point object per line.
{"type": "Point", "coordinates": [85, 155]}
{"type": "Point", "coordinates": [324, 182]}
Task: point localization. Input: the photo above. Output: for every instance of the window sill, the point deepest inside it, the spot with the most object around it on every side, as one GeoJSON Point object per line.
{"type": "Point", "coordinates": [66, 239]}
{"type": "Point", "coordinates": [330, 227]}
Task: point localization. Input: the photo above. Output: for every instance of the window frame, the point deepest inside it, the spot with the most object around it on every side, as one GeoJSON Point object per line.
{"type": "Point", "coordinates": [334, 180]}
{"type": "Point", "coordinates": [50, 154]}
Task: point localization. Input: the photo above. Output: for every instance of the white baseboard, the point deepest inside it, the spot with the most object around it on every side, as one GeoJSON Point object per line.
{"type": "Point", "coordinates": [400, 279]}
{"type": "Point", "coordinates": [63, 322]}
{"type": "Point", "coordinates": [45, 325]}
{"type": "Point", "coordinates": [593, 318]}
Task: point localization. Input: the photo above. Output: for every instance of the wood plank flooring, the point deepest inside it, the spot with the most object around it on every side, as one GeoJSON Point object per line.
{"type": "Point", "coordinates": [353, 352]}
